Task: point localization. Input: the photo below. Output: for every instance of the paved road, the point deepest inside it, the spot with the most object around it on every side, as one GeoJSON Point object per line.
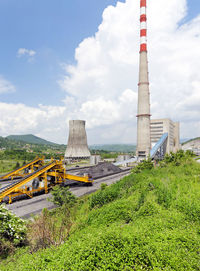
{"type": "Point", "coordinates": [26, 208]}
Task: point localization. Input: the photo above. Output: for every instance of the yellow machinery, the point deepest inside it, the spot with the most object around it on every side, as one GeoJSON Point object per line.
{"type": "Point", "coordinates": [24, 170]}
{"type": "Point", "coordinates": [42, 179]}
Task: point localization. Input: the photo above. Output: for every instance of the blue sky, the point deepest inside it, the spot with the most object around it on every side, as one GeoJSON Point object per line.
{"type": "Point", "coordinates": [39, 39]}
{"type": "Point", "coordinates": [51, 28]}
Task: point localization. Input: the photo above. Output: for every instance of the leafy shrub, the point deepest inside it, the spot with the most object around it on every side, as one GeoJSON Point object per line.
{"type": "Point", "coordinates": [149, 208]}
{"type": "Point", "coordinates": [104, 196]}
{"type": "Point", "coordinates": [146, 164]}
{"type": "Point", "coordinates": [53, 228]}
{"type": "Point", "coordinates": [120, 210]}
{"type": "Point", "coordinates": [176, 158]}
{"type": "Point", "coordinates": [103, 186]}
{"type": "Point", "coordinates": [12, 232]}
{"type": "Point", "coordinates": [12, 227]}
{"type": "Point", "coordinates": [50, 228]}
{"type": "Point", "coordinates": [62, 196]}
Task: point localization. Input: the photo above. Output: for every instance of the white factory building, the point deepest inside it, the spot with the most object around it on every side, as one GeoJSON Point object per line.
{"type": "Point", "coordinates": [160, 126]}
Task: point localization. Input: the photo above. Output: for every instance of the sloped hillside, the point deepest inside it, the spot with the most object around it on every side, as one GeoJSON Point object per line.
{"type": "Point", "coordinates": [149, 220]}
{"type": "Point", "coordinates": [32, 139]}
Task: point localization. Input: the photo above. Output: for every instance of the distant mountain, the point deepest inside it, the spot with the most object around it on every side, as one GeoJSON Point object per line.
{"type": "Point", "coordinates": [31, 139]}
{"type": "Point", "coordinates": [114, 147]}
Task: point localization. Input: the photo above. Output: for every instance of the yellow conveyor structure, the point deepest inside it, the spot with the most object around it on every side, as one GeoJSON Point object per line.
{"type": "Point", "coordinates": [24, 170]}
{"type": "Point", "coordinates": [42, 179]}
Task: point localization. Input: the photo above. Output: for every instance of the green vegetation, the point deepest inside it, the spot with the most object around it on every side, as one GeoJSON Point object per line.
{"type": "Point", "coordinates": [123, 148]}
{"type": "Point", "coordinates": [150, 220]}
{"type": "Point", "coordinates": [8, 165]}
{"type": "Point", "coordinates": [12, 232]}
{"type": "Point", "coordinates": [14, 152]}
{"type": "Point", "coordinates": [62, 196]}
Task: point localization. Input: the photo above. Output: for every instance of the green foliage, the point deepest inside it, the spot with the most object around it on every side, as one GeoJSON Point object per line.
{"type": "Point", "coordinates": [11, 227]}
{"type": "Point", "coordinates": [120, 148]}
{"type": "Point", "coordinates": [103, 196]}
{"type": "Point", "coordinates": [146, 164]}
{"type": "Point", "coordinates": [176, 158]}
{"type": "Point", "coordinates": [147, 221]}
{"type": "Point", "coordinates": [50, 228]}
{"type": "Point", "coordinates": [17, 165]}
{"type": "Point", "coordinates": [62, 196]}
{"type": "Point", "coordinates": [103, 186]}
{"type": "Point", "coordinates": [12, 231]}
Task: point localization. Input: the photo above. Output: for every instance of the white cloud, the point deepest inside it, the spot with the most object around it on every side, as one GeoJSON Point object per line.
{"type": "Point", "coordinates": [107, 65]}
{"type": "Point", "coordinates": [102, 86]}
{"type": "Point", "coordinates": [6, 86]}
{"type": "Point", "coordinates": [46, 121]}
{"type": "Point", "coordinates": [26, 52]}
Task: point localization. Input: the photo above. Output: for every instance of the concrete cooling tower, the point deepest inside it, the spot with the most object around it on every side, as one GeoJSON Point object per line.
{"type": "Point", "coordinates": [77, 147]}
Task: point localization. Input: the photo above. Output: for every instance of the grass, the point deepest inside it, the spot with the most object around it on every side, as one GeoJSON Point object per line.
{"type": "Point", "coordinates": [8, 165]}
{"type": "Point", "coordinates": [146, 221]}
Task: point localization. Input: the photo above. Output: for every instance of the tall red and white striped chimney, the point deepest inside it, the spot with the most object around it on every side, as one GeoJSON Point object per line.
{"type": "Point", "coordinates": [143, 116]}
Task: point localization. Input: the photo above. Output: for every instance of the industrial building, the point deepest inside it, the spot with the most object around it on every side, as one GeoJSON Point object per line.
{"type": "Point", "coordinates": [158, 127]}
{"type": "Point", "coordinates": [77, 147]}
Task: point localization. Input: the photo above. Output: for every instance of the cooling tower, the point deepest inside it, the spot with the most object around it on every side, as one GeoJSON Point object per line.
{"type": "Point", "coordinates": [77, 147]}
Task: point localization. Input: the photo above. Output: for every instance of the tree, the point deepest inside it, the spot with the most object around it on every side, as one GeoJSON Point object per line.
{"type": "Point", "coordinates": [62, 196]}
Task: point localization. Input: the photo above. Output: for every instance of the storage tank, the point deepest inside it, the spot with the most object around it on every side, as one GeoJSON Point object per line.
{"type": "Point", "coordinates": [77, 147]}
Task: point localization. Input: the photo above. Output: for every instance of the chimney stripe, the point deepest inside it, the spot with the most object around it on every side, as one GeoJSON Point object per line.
{"type": "Point", "coordinates": [142, 10]}
{"type": "Point", "coordinates": [143, 26]}
{"type": "Point", "coordinates": [143, 33]}
{"type": "Point", "coordinates": [143, 3]}
{"type": "Point", "coordinates": [143, 40]}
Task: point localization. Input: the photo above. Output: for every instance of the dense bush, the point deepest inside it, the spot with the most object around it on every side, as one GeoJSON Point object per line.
{"type": "Point", "coordinates": [62, 196]}
{"type": "Point", "coordinates": [12, 231]}
{"type": "Point", "coordinates": [146, 164]}
{"type": "Point", "coordinates": [103, 196]}
{"type": "Point", "coordinates": [11, 227]}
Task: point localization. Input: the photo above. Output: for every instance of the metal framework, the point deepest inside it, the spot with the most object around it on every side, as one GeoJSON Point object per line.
{"type": "Point", "coordinates": [24, 170]}
{"type": "Point", "coordinates": [159, 150]}
{"type": "Point", "coordinates": [43, 179]}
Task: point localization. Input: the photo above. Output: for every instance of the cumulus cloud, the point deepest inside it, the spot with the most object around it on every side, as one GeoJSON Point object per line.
{"type": "Point", "coordinates": [26, 52]}
{"type": "Point", "coordinates": [102, 86]}
{"type": "Point", "coordinates": [107, 65]}
{"type": "Point", "coordinates": [6, 86]}
{"type": "Point", "coordinates": [46, 121]}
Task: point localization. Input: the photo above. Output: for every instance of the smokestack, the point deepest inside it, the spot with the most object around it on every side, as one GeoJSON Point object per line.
{"type": "Point", "coordinates": [143, 117]}
{"type": "Point", "coordinates": [77, 147]}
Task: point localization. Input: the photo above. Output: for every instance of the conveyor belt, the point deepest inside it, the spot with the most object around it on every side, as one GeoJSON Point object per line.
{"type": "Point", "coordinates": [158, 146]}
{"type": "Point", "coordinates": [6, 190]}
{"type": "Point", "coordinates": [49, 175]}
{"type": "Point", "coordinates": [14, 172]}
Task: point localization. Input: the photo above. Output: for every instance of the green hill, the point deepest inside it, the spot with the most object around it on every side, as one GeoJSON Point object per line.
{"type": "Point", "coordinates": [32, 139]}
{"type": "Point", "coordinates": [150, 220]}
{"type": "Point", "coordinates": [114, 147]}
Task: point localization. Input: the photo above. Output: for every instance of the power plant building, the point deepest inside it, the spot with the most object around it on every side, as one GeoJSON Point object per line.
{"type": "Point", "coordinates": [159, 127]}
{"type": "Point", "coordinates": [77, 147]}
